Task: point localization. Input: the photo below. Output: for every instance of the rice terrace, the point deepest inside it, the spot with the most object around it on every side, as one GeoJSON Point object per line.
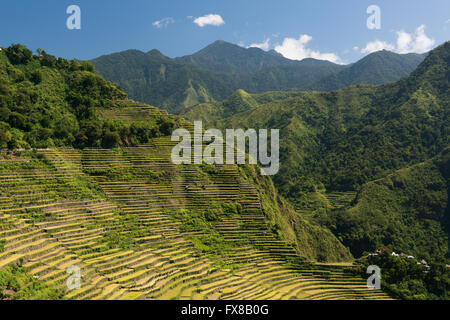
{"type": "Point", "coordinates": [291, 161]}
{"type": "Point", "coordinates": [139, 226]}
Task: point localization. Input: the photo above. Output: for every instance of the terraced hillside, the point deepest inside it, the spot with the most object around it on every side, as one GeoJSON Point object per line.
{"type": "Point", "coordinates": [135, 224]}
{"type": "Point", "coordinates": [99, 192]}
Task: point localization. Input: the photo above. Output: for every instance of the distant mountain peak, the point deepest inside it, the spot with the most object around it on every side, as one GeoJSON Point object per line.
{"type": "Point", "coordinates": [375, 68]}
{"type": "Point", "coordinates": [217, 46]}
{"type": "Point", "coordinates": [218, 42]}
{"type": "Point", "coordinates": [156, 53]}
{"type": "Point", "coordinates": [226, 57]}
{"type": "Point", "coordinates": [275, 53]}
{"type": "Point", "coordinates": [316, 62]}
{"type": "Point", "coordinates": [241, 92]}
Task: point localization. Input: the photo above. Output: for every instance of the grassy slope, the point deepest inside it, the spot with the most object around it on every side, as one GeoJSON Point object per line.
{"type": "Point", "coordinates": [238, 102]}
{"type": "Point", "coordinates": [311, 240]}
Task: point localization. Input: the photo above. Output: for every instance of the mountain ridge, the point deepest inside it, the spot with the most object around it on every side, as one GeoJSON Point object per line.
{"type": "Point", "coordinates": [216, 71]}
{"type": "Point", "coordinates": [375, 68]}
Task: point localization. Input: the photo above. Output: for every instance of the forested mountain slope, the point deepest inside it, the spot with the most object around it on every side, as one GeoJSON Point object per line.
{"type": "Point", "coordinates": [221, 68]}
{"type": "Point", "coordinates": [407, 211]}
{"type": "Point", "coordinates": [376, 68]}
{"type": "Point", "coordinates": [158, 80]}
{"type": "Point", "coordinates": [348, 137]}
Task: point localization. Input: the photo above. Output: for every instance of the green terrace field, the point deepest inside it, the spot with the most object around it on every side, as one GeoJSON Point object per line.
{"type": "Point", "coordinates": [140, 227]}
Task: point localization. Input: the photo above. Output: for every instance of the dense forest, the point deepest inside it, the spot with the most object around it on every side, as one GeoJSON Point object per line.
{"type": "Point", "coordinates": [17, 284]}
{"type": "Point", "coordinates": [47, 101]}
{"type": "Point", "coordinates": [408, 211]}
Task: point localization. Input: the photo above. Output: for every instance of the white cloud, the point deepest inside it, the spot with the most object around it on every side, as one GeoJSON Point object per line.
{"type": "Point", "coordinates": [377, 45]}
{"type": "Point", "coordinates": [163, 23]}
{"type": "Point", "coordinates": [263, 45]}
{"type": "Point", "coordinates": [418, 43]}
{"type": "Point", "coordinates": [296, 49]}
{"type": "Point", "coordinates": [406, 42]}
{"type": "Point", "coordinates": [209, 19]}
{"type": "Point", "coordinates": [355, 48]}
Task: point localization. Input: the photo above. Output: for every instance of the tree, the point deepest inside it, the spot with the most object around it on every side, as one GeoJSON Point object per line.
{"type": "Point", "coordinates": [110, 139]}
{"type": "Point", "coordinates": [18, 54]}
{"type": "Point", "coordinates": [36, 77]}
{"type": "Point", "coordinates": [87, 66]}
{"type": "Point", "coordinates": [5, 138]}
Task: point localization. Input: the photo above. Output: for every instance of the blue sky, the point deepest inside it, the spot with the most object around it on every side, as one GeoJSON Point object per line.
{"type": "Point", "coordinates": [327, 29]}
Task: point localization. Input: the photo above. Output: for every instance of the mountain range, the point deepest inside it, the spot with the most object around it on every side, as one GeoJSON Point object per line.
{"type": "Point", "coordinates": [219, 69]}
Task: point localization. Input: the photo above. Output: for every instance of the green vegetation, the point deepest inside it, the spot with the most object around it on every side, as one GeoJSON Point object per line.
{"type": "Point", "coordinates": [215, 72]}
{"type": "Point", "coordinates": [238, 102]}
{"type": "Point", "coordinates": [158, 80]}
{"type": "Point", "coordinates": [343, 139]}
{"type": "Point", "coordinates": [195, 232]}
{"type": "Point", "coordinates": [224, 57]}
{"type": "Point", "coordinates": [47, 102]}
{"type": "Point", "coordinates": [376, 68]}
{"type": "Point", "coordinates": [332, 144]}
{"type": "Point", "coordinates": [408, 211]}
{"type": "Point", "coordinates": [407, 278]}
{"type": "Point", "coordinates": [74, 186]}
{"type": "Point", "coordinates": [311, 240]}
{"type": "Point", "coordinates": [195, 220]}
{"type": "Point", "coordinates": [17, 284]}
{"type": "Point", "coordinates": [367, 162]}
